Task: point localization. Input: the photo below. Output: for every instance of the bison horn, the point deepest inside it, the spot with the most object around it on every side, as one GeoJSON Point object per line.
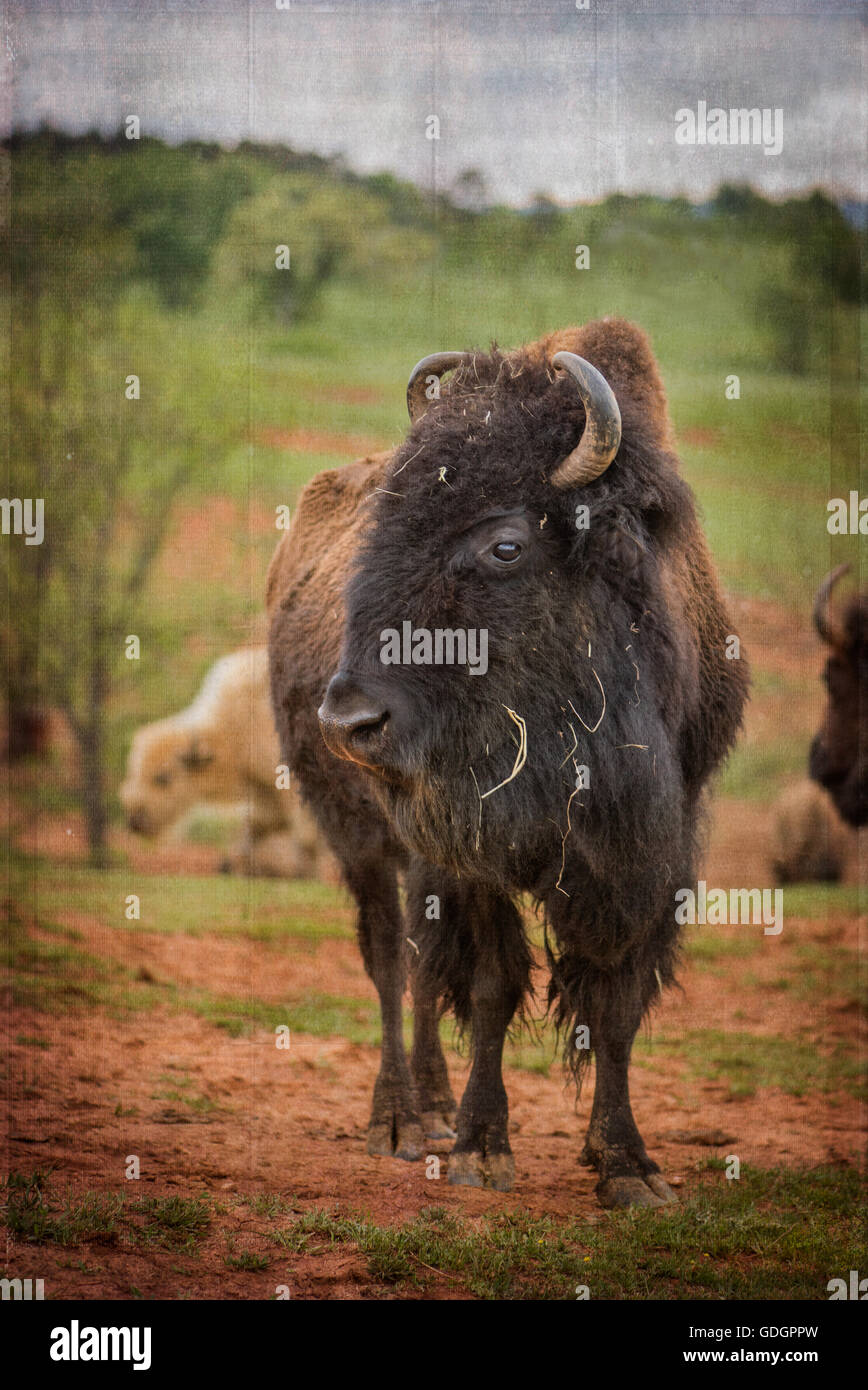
{"type": "Point", "coordinates": [435, 365]}
{"type": "Point", "coordinates": [602, 433]}
{"type": "Point", "coordinates": [828, 629]}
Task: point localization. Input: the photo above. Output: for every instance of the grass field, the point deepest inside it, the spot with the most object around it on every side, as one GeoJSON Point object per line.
{"type": "Point", "coordinates": [155, 1037]}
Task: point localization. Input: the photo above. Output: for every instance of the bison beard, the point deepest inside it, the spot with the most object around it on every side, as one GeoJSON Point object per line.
{"type": "Point", "coordinates": [606, 651]}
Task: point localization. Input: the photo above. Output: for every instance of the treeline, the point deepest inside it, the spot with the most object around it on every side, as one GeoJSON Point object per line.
{"type": "Point", "coordinates": [189, 211]}
{"type": "Point", "coordinates": [131, 264]}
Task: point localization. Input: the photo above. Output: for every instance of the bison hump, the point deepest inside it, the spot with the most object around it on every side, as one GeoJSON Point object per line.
{"type": "Point", "coordinates": [326, 517]}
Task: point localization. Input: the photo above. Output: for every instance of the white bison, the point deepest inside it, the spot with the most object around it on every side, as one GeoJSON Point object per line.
{"type": "Point", "coordinates": [810, 843]}
{"type": "Point", "coordinates": [223, 749]}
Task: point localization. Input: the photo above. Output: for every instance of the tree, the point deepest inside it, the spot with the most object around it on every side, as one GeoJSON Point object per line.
{"type": "Point", "coordinates": [67, 263]}
{"type": "Point", "coordinates": [107, 420]}
{"type": "Point", "coordinates": [469, 191]}
{"type": "Point", "coordinates": [327, 229]}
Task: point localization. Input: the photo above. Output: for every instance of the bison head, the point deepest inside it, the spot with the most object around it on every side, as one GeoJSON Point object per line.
{"type": "Point", "coordinates": [167, 773]}
{"type": "Point", "coordinates": [519, 509]}
{"type": "Point", "coordinates": [839, 752]}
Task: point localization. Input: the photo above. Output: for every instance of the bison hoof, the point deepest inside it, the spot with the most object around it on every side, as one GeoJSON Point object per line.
{"type": "Point", "coordinates": [397, 1139]}
{"type": "Point", "coordinates": [437, 1124]}
{"type": "Point", "coordinates": [501, 1172]}
{"type": "Point", "coordinates": [472, 1169]}
{"type": "Point", "coordinates": [465, 1170]}
{"type": "Point", "coordinates": [651, 1191]}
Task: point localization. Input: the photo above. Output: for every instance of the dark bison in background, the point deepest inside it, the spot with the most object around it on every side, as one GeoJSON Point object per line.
{"type": "Point", "coordinates": [572, 770]}
{"type": "Point", "coordinates": [839, 752]}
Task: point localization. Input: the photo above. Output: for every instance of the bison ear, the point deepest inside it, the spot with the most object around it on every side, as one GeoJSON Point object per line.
{"type": "Point", "coordinates": [196, 756]}
{"type": "Point", "coordinates": [621, 351]}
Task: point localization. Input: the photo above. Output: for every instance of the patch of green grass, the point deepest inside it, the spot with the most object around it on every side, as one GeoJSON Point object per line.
{"type": "Point", "coordinates": [200, 1105]}
{"type": "Point", "coordinates": [223, 905]}
{"type": "Point", "coordinates": [301, 1235]}
{"type": "Point", "coordinates": [53, 978]}
{"type": "Point", "coordinates": [747, 1062]}
{"type": "Point", "coordinates": [778, 1233]}
{"type": "Point", "coordinates": [92, 1217]}
{"type": "Point", "coordinates": [176, 1223]}
{"type": "Point", "coordinates": [321, 1015]}
{"type": "Point", "coordinates": [538, 1056]}
{"type": "Point", "coordinates": [820, 901]}
{"type": "Point", "coordinates": [31, 1216]}
{"type": "Point", "coordinates": [764, 682]}
{"type": "Point", "coordinates": [58, 978]}
{"type": "Point", "coordinates": [708, 945]}
{"type": "Point", "coordinates": [773, 1234]}
{"type": "Point", "coordinates": [832, 972]}
{"type": "Point", "coordinates": [31, 1040]}
{"type": "Point", "coordinates": [81, 1266]}
{"type": "Point", "coordinates": [24, 1208]}
{"type": "Point", "coordinates": [756, 771]}
{"type": "Point", "coordinates": [248, 1260]}
{"type": "Point", "coordinates": [179, 1091]}
{"type": "Point", "coordinates": [49, 976]}
{"type": "Point", "coordinates": [216, 831]}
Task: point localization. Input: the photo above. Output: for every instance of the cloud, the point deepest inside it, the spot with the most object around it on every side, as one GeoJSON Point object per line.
{"type": "Point", "coordinates": [573, 103]}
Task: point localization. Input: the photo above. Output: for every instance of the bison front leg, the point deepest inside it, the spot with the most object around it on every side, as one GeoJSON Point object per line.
{"type": "Point", "coordinates": [614, 1146]}
{"type": "Point", "coordinates": [500, 976]}
{"type": "Point", "coordinates": [394, 1128]}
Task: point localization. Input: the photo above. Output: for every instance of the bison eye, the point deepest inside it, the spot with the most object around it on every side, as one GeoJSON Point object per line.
{"type": "Point", "coordinates": [161, 779]}
{"type": "Point", "coordinates": [506, 551]}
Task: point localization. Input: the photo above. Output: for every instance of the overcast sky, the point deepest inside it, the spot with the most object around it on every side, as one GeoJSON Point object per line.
{"type": "Point", "coordinates": [541, 97]}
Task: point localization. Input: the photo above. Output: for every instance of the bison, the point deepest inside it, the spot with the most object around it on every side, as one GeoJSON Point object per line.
{"type": "Point", "coordinates": [839, 752]}
{"type": "Point", "coordinates": [537, 498]}
{"type": "Point", "coordinates": [809, 841]}
{"type": "Point", "coordinates": [220, 749]}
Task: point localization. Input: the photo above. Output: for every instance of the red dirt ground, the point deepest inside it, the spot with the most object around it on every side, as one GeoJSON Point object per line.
{"type": "Point", "coordinates": [293, 1122]}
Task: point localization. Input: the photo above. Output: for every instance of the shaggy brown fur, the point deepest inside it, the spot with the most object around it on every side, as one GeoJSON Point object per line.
{"type": "Point", "coordinates": [839, 753]}
{"type": "Point", "coordinates": [630, 605]}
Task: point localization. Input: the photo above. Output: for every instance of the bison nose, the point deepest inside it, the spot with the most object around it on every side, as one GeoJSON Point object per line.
{"type": "Point", "coordinates": [139, 822]}
{"type": "Point", "coordinates": [820, 768]}
{"type": "Point", "coordinates": [352, 720]}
